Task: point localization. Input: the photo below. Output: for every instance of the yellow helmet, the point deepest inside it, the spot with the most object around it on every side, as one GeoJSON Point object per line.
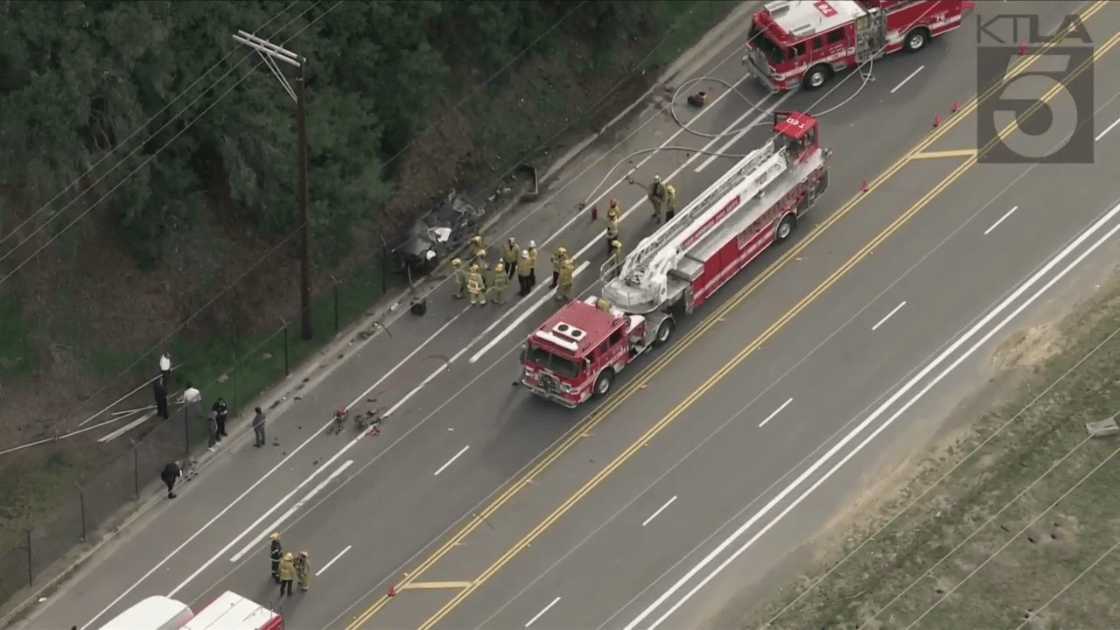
{"type": "Point", "coordinates": [303, 554]}
{"type": "Point", "coordinates": [656, 178]}
{"type": "Point", "coordinates": [511, 241]}
{"type": "Point", "coordinates": [474, 268]}
{"type": "Point", "coordinates": [274, 536]}
{"type": "Point", "coordinates": [456, 262]}
{"type": "Point", "coordinates": [561, 250]}
{"type": "Point", "coordinates": [477, 239]}
{"type": "Point", "coordinates": [499, 266]}
{"type": "Point", "coordinates": [288, 556]}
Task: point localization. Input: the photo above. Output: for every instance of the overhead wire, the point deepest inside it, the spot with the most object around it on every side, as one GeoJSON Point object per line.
{"type": "Point", "coordinates": [132, 135]}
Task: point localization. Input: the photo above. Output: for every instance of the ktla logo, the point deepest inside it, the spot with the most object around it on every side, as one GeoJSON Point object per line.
{"type": "Point", "coordinates": [1042, 105]}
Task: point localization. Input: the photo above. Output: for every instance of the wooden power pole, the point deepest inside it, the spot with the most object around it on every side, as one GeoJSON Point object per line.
{"type": "Point", "coordinates": [270, 54]}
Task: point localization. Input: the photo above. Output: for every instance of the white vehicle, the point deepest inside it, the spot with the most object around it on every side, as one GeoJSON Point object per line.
{"type": "Point", "coordinates": [229, 611]}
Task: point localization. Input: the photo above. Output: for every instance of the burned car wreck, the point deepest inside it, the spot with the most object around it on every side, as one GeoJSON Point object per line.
{"type": "Point", "coordinates": [438, 233]}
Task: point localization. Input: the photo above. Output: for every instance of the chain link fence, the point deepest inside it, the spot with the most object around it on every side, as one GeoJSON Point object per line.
{"type": "Point", "coordinates": [257, 362]}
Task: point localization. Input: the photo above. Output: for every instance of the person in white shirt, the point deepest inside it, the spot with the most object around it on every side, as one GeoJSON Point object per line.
{"type": "Point", "coordinates": [191, 395]}
{"type": "Point", "coordinates": [165, 369]}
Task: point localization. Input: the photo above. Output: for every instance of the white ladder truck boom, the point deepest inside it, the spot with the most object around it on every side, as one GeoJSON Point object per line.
{"type": "Point", "coordinates": [577, 352]}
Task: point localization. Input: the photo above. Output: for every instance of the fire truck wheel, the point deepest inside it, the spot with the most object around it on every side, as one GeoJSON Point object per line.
{"type": "Point", "coordinates": [664, 332]}
{"type": "Point", "coordinates": [786, 227]}
{"type": "Point", "coordinates": [816, 76]}
{"type": "Point", "coordinates": [603, 383]}
{"type": "Point", "coordinates": [917, 39]}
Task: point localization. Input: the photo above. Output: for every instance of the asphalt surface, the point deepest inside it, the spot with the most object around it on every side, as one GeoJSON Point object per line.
{"type": "Point", "coordinates": [388, 508]}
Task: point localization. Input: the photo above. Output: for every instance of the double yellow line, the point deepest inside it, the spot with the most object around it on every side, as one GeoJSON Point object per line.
{"type": "Point", "coordinates": [676, 349]}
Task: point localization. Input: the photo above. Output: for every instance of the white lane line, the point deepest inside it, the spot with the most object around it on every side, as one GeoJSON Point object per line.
{"type": "Point", "coordinates": [941, 358]}
{"type": "Point", "coordinates": [1106, 130]}
{"type": "Point", "coordinates": [889, 315]}
{"type": "Point", "coordinates": [774, 413]}
{"type": "Point", "coordinates": [904, 81]}
{"type": "Point", "coordinates": [452, 460]}
{"type": "Point", "coordinates": [659, 511]}
{"type": "Point", "coordinates": [1000, 220]}
{"type": "Point", "coordinates": [333, 560]}
{"type": "Point", "coordinates": [739, 136]}
{"type": "Point", "coordinates": [542, 612]}
{"type": "Point", "coordinates": [275, 526]}
{"type": "Point", "coordinates": [515, 323]}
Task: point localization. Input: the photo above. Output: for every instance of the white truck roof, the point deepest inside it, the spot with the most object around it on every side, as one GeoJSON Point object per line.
{"type": "Point", "coordinates": [152, 613]}
{"type": "Point", "coordinates": [805, 18]}
{"type": "Point", "coordinates": [231, 611]}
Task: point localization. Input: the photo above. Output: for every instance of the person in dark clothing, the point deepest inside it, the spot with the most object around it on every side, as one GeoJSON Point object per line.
{"type": "Point", "coordinates": [275, 554]}
{"type": "Point", "coordinates": [161, 399]}
{"type": "Point", "coordinates": [258, 428]}
{"type": "Point", "coordinates": [171, 473]}
{"type": "Point", "coordinates": [223, 412]}
{"type": "Point", "coordinates": [212, 430]}
{"type": "Point", "coordinates": [165, 369]}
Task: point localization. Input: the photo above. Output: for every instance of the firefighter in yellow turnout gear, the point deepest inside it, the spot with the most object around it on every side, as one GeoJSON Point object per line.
{"type": "Point", "coordinates": [564, 282]}
{"type": "Point", "coordinates": [474, 286]}
{"type": "Point", "coordinates": [500, 284]}
{"type": "Point", "coordinates": [509, 256]}
{"type": "Point", "coordinates": [460, 276]}
{"type": "Point", "coordinates": [478, 250]}
{"type": "Point", "coordinates": [524, 273]}
{"type": "Point", "coordinates": [303, 571]}
{"type": "Point", "coordinates": [613, 224]}
{"type": "Point", "coordinates": [670, 202]}
{"type": "Point", "coordinates": [558, 258]}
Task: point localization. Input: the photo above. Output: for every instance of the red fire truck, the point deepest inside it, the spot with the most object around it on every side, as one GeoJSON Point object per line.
{"type": "Point", "coordinates": [578, 351]}
{"type": "Point", "coordinates": [229, 611]}
{"type": "Point", "coordinates": [806, 41]}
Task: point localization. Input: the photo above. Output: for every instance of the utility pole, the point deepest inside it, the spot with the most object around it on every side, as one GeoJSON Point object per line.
{"type": "Point", "coordinates": [270, 54]}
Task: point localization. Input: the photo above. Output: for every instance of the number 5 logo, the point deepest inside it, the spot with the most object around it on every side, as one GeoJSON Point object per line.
{"type": "Point", "coordinates": [1041, 115]}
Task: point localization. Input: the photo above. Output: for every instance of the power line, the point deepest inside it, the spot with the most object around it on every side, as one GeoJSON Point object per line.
{"type": "Point", "coordinates": [1071, 583]}
{"type": "Point", "coordinates": [181, 94]}
{"type": "Point", "coordinates": [151, 157]}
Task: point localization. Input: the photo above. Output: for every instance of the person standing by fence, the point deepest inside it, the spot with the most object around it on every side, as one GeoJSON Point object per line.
{"type": "Point", "coordinates": [165, 370]}
{"type": "Point", "coordinates": [171, 473]}
{"type": "Point", "coordinates": [258, 428]}
{"type": "Point", "coordinates": [222, 411]}
{"type": "Point", "coordinates": [212, 430]}
{"type": "Point", "coordinates": [160, 393]}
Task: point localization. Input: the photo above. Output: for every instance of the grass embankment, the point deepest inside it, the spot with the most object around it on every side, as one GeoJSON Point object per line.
{"type": "Point", "coordinates": [545, 96]}
{"type": "Point", "coordinates": [1023, 533]}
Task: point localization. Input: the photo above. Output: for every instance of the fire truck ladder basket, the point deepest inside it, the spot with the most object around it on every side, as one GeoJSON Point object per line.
{"type": "Point", "coordinates": [656, 253]}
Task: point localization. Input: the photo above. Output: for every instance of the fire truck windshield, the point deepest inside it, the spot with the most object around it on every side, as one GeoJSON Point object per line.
{"type": "Point", "coordinates": [761, 41]}
{"type": "Point", "coordinates": [556, 364]}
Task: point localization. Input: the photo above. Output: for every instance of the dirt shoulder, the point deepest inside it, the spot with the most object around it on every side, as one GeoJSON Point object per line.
{"type": "Point", "coordinates": [1010, 519]}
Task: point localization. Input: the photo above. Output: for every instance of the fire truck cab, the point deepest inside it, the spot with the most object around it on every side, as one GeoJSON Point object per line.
{"type": "Point", "coordinates": [805, 42]}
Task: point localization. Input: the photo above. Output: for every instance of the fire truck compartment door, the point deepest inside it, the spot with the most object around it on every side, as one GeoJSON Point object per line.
{"type": "Point", "coordinates": [688, 269]}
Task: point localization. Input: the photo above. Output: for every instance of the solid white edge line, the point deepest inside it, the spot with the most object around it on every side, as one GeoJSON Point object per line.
{"type": "Point", "coordinates": [452, 460]}
{"type": "Point", "coordinates": [333, 560]}
{"type": "Point", "coordinates": [502, 335]}
{"type": "Point", "coordinates": [659, 511]}
{"type": "Point", "coordinates": [542, 612]}
{"type": "Point", "coordinates": [739, 136]}
{"type": "Point", "coordinates": [275, 526]}
{"type": "Point", "coordinates": [888, 316]}
{"type": "Point", "coordinates": [775, 413]}
{"type": "Point", "coordinates": [1106, 130]}
{"type": "Point", "coordinates": [874, 415]}
{"type": "Point", "coordinates": [907, 79]}
{"type": "Point", "coordinates": [1000, 220]}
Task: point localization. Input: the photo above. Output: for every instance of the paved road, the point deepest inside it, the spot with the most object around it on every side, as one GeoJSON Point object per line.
{"type": "Point", "coordinates": [389, 504]}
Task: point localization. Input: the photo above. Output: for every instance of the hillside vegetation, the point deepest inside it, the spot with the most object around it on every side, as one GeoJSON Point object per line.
{"type": "Point", "coordinates": [148, 172]}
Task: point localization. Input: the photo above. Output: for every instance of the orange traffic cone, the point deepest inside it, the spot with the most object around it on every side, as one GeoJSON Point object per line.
{"type": "Point", "coordinates": [1022, 49]}
{"type": "Point", "coordinates": [937, 121]}
{"type": "Point", "coordinates": [392, 591]}
{"type": "Point", "coordinates": [956, 106]}
{"type": "Point", "coordinates": [863, 186]}
{"type": "Point", "coordinates": [594, 213]}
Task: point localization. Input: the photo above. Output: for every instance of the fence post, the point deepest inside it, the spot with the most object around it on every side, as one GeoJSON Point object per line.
{"type": "Point", "coordinates": [336, 306]}
{"type": "Point", "coordinates": [235, 382]}
{"type": "Point", "coordinates": [82, 507]}
{"type": "Point", "coordinates": [285, 348]}
{"type": "Point", "coordinates": [30, 571]}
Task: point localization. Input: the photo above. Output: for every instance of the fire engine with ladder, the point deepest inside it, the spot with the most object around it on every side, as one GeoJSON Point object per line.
{"type": "Point", "coordinates": [229, 611]}
{"type": "Point", "coordinates": [805, 42]}
{"type": "Point", "coordinates": [577, 352]}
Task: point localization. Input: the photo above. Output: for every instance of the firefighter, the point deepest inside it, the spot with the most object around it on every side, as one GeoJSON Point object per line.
{"type": "Point", "coordinates": [524, 273]}
{"type": "Point", "coordinates": [612, 228]}
{"type": "Point", "coordinates": [614, 212]}
{"type": "Point", "coordinates": [615, 258]}
{"type": "Point", "coordinates": [303, 571]}
{"type": "Point", "coordinates": [460, 277]}
{"type": "Point", "coordinates": [487, 277]}
{"type": "Point", "coordinates": [478, 250]}
{"type": "Point", "coordinates": [670, 202]}
{"type": "Point", "coordinates": [558, 258]}
{"type": "Point", "coordinates": [275, 554]}
{"type": "Point", "coordinates": [657, 196]}
{"type": "Point", "coordinates": [287, 573]}
{"type": "Point", "coordinates": [509, 256]}
{"type": "Point", "coordinates": [501, 283]}
{"type": "Point", "coordinates": [474, 286]}
{"type": "Point", "coordinates": [564, 282]}
{"type": "Point", "coordinates": [532, 264]}
{"type": "Point", "coordinates": [602, 304]}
